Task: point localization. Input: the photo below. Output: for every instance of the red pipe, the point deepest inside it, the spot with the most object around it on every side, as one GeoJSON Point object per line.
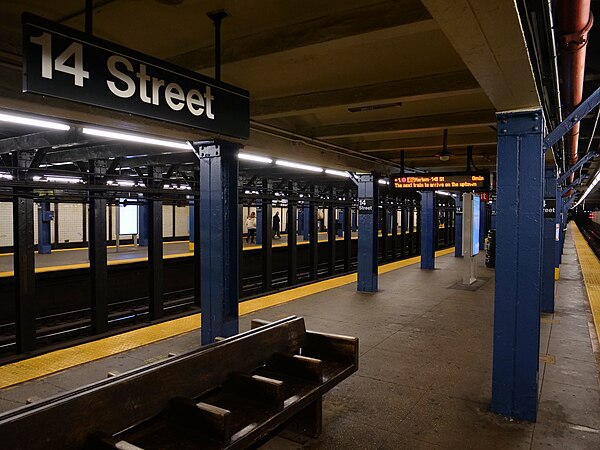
{"type": "Point", "coordinates": [574, 20]}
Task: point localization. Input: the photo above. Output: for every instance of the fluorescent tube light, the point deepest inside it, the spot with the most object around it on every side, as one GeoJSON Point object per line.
{"type": "Point", "coordinates": [137, 138]}
{"type": "Point", "coordinates": [444, 193]}
{"type": "Point", "coordinates": [125, 183]}
{"type": "Point", "coordinates": [339, 173]}
{"type": "Point", "coordinates": [382, 181]}
{"type": "Point", "coordinates": [256, 158]}
{"type": "Point", "coordinates": [294, 165]}
{"type": "Point", "coordinates": [6, 176]}
{"type": "Point", "coordinates": [70, 180]}
{"type": "Point", "coordinates": [589, 190]}
{"type": "Point", "coordinates": [34, 122]}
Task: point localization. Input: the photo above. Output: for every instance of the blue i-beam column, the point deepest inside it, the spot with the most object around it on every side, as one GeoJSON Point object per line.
{"type": "Point", "coordinates": [190, 225]}
{"type": "Point", "coordinates": [549, 251]}
{"type": "Point", "coordinates": [428, 220]}
{"type": "Point", "coordinates": [306, 221]}
{"type": "Point", "coordinates": [493, 216]}
{"type": "Point", "coordinates": [219, 241]}
{"type": "Point", "coordinates": [340, 221]}
{"type": "Point", "coordinates": [259, 221]}
{"type": "Point", "coordinates": [368, 212]}
{"type": "Point", "coordinates": [458, 220]}
{"type": "Point", "coordinates": [558, 231]}
{"type": "Point", "coordinates": [44, 218]}
{"type": "Point", "coordinates": [145, 225]}
{"type": "Point", "coordinates": [518, 264]}
{"type": "Point", "coordinates": [482, 225]}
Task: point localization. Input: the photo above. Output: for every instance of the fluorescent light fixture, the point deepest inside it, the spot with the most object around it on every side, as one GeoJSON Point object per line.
{"type": "Point", "coordinates": [295, 165]}
{"type": "Point", "coordinates": [6, 176]}
{"type": "Point", "coordinates": [34, 122]}
{"type": "Point", "coordinates": [37, 178]}
{"type": "Point", "coordinates": [382, 181]}
{"type": "Point", "coordinates": [338, 173]}
{"type": "Point", "coordinates": [444, 193]}
{"type": "Point", "coordinates": [62, 163]}
{"type": "Point", "coordinates": [256, 158]}
{"type": "Point", "coordinates": [70, 180]}
{"type": "Point", "coordinates": [126, 183]}
{"type": "Point", "coordinates": [589, 190]}
{"type": "Point", "coordinates": [137, 138]}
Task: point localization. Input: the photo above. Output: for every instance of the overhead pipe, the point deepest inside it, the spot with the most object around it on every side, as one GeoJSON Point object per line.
{"type": "Point", "coordinates": [574, 20]}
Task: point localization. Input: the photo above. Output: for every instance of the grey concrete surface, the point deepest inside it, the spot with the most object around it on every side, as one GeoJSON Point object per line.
{"type": "Point", "coordinates": [425, 367]}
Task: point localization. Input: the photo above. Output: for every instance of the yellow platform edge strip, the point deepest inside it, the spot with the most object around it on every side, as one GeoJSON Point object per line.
{"type": "Point", "coordinates": [590, 267]}
{"type": "Point", "coordinates": [52, 362]}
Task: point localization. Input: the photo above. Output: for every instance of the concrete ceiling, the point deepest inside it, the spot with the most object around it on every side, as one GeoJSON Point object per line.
{"type": "Point", "coordinates": [408, 68]}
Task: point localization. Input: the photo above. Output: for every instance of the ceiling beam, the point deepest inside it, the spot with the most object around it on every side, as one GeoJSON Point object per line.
{"type": "Point", "coordinates": [160, 160]}
{"type": "Point", "coordinates": [429, 142]}
{"type": "Point", "coordinates": [322, 29]}
{"type": "Point", "coordinates": [489, 39]}
{"type": "Point", "coordinates": [421, 88]}
{"type": "Point", "coordinates": [407, 124]}
{"type": "Point", "coordinates": [43, 139]}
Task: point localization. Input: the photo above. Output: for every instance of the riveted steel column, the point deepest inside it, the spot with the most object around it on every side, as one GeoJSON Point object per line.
{"type": "Point", "coordinates": [354, 214]}
{"type": "Point", "coordinates": [266, 229]}
{"type": "Point", "coordinates": [493, 216]}
{"type": "Point", "coordinates": [292, 239]}
{"type": "Point", "coordinates": [219, 258]}
{"type": "Point", "coordinates": [144, 225]}
{"type": "Point", "coordinates": [306, 221]}
{"type": "Point", "coordinates": [331, 234]}
{"type": "Point", "coordinates": [196, 232]}
{"type": "Point", "coordinates": [192, 235]}
{"type": "Point", "coordinates": [259, 223]}
{"type": "Point", "coordinates": [347, 224]}
{"type": "Point", "coordinates": [97, 248]}
{"type": "Point", "coordinates": [549, 251]}
{"type": "Point", "coordinates": [44, 214]}
{"type": "Point", "coordinates": [24, 257]}
{"type": "Point", "coordinates": [558, 225]}
{"type": "Point", "coordinates": [384, 232]}
{"type": "Point", "coordinates": [403, 230]}
{"type": "Point", "coordinates": [428, 234]}
{"type": "Point", "coordinates": [340, 221]}
{"type": "Point", "coordinates": [518, 264]}
{"type": "Point", "coordinates": [482, 225]}
{"type": "Point", "coordinates": [313, 238]}
{"type": "Point", "coordinates": [155, 246]}
{"type": "Point", "coordinates": [368, 215]}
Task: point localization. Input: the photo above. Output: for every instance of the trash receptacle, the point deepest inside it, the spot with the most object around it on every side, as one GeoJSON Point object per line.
{"type": "Point", "coordinates": [490, 249]}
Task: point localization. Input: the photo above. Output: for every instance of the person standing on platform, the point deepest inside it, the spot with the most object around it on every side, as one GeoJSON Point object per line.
{"type": "Point", "coordinates": [251, 226]}
{"type": "Point", "coordinates": [276, 224]}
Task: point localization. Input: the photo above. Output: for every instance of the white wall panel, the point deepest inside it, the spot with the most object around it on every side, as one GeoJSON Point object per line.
{"type": "Point", "coordinates": [167, 220]}
{"type": "Point", "coordinates": [70, 222]}
{"type": "Point", "coordinates": [182, 214]}
{"type": "Point", "coordinates": [6, 222]}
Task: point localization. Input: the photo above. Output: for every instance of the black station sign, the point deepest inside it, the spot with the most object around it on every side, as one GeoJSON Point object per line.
{"type": "Point", "coordinates": [365, 206]}
{"type": "Point", "coordinates": [62, 62]}
{"type": "Point", "coordinates": [447, 181]}
{"type": "Point", "coordinates": [549, 208]}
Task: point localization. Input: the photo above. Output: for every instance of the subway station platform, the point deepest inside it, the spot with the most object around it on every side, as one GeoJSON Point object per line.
{"type": "Point", "coordinates": [424, 378]}
{"type": "Point", "coordinates": [77, 258]}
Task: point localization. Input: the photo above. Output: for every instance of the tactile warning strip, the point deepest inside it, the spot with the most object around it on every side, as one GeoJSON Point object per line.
{"type": "Point", "coordinates": [48, 363]}
{"type": "Point", "coordinates": [590, 266]}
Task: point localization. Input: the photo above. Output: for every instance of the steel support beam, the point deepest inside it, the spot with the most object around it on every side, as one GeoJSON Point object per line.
{"type": "Point", "coordinates": [97, 250]}
{"type": "Point", "coordinates": [482, 225]}
{"type": "Point", "coordinates": [518, 264]}
{"type": "Point", "coordinates": [155, 247]}
{"type": "Point", "coordinates": [313, 238]}
{"type": "Point", "coordinates": [44, 221]}
{"type": "Point", "coordinates": [24, 258]}
{"type": "Point", "coordinates": [428, 232]}
{"type": "Point", "coordinates": [331, 235]}
{"type": "Point", "coordinates": [292, 239]}
{"type": "Point", "coordinates": [219, 258]}
{"type": "Point", "coordinates": [394, 212]}
{"type": "Point", "coordinates": [347, 224]}
{"type": "Point", "coordinates": [266, 231]}
{"type": "Point", "coordinates": [145, 225]}
{"type": "Point", "coordinates": [368, 214]}
{"type": "Point", "coordinates": [384, 231]}
{"type": "Point", "coordinates": [403, 230]}
{"type": "Point", "coordinates": [549, 245]}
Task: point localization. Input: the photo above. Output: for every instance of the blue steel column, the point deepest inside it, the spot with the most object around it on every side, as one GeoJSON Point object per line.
{"type": "Point", "coordinates": [558, 225]}
{"type": "Point", "coordinates": [340, 222]}
{"type": "Point", "coordinates": [306, 219]}
{"type": "Point", "coordinates": [549, 244]}
{"type": "Point", "coordinates": [259, 221]}
{"type": "Point", "coordinates": [300, 220]}
{"type": "Point", "coordinates": [145, 225]}
{"type": "Point", "coordinates": [493, 216]}
{"type": "Point", "coordinates": [190, 225]}
{"type": "Point", "coordinates": [518, 264]}
{"type": "Point", "coordinates": [458, 220]}
{"type": "Point", "coordinates": [44, 214]}
{"type": "Point", "coordinates": [428, 220]}
{"type": "Point", "coordinates": [219, 258]}
{"type": "Point", "coordinates": [368, 199]}
{"type": "Point", "coordinates": [354, 215]}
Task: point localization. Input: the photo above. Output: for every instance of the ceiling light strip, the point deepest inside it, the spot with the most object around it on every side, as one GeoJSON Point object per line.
{"type": "Point", "coordinates": [137, 138]}
{"type": "Point", "coordinates": [34, 122]}
{"type": "Point", "coordinates": [295, 165]}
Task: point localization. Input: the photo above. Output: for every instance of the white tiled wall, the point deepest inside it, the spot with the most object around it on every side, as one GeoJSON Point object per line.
{"type": "Point", "coordinates": [6, 228]}
{"type": "Point", "coordinates": [70, 222]}
{"type": "Point", "coordinates": [182, 220]}
{"type": "Point", "coordinates": [167, 220]}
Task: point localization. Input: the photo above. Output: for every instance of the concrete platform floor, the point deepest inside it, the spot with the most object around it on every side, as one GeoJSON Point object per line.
{"type": "Point", "coordinates": [66, 257]}
{"type": "Point", "coordinates": [425, 366]}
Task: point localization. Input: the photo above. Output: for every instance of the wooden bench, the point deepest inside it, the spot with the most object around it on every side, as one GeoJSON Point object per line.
{"type": "Point", "coordinates": [230, 394]}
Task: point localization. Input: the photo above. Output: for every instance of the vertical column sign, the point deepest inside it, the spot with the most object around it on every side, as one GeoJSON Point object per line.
{"type": "Point", "coordinates": [475, 225]}
{"type": "Point", "coordinates": [62, 62]}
